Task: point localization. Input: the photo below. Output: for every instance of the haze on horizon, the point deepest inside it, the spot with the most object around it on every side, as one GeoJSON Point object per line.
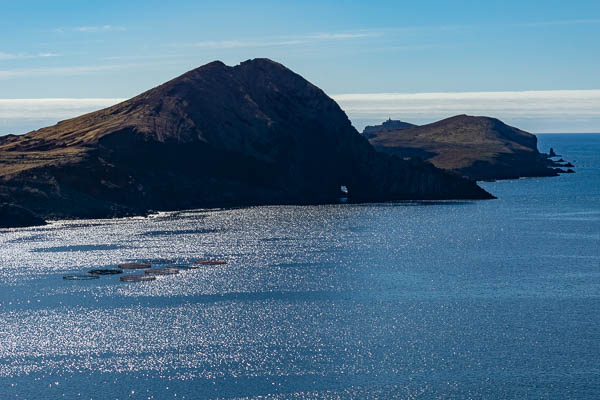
{"type": "Point", "coordinates": [533, 65]}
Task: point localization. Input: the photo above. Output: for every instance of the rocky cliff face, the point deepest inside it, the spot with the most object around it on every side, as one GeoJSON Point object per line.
{"type": "Point", "coordinates": [480, 148]}
{"type": "Point", "coordinates": [255, 133]}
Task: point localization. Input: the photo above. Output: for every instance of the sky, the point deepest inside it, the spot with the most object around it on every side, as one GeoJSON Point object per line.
{"type": "Point", "coordinates": [533, 64]}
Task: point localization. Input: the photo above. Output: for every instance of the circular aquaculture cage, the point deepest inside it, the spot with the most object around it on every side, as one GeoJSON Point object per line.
{"type": "Point", "coordinates": [186, 266]}
{"type": "Point", "coordinates": [134, 266]}
{"type": "Point", "coordinates": [137, 278]}
{"type": "Point", "coordinates": [105, 271]}
{"type": "Point", "coordinates": [160, 261]}
{"type": "Point", "coordinates": [80, 277]}
{"type": "Point", "coordinates": [210, 262]}
{"type": "Point", "coordinates": [166, 271]}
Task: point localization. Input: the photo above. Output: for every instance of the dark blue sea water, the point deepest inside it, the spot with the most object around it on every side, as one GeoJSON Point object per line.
{"type": "Point", "coordinates": [488, 299]}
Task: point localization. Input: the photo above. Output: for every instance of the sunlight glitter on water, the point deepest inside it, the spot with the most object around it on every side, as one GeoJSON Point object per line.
{"type": "Point", "coordinates": [455, 299]}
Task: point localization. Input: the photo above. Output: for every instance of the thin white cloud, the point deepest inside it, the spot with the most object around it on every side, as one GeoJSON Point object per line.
{"type": "Point", "coordinates": [91, 29]}
{"type": "Point", "coordinates": [250, 43]}
{"type": "Point", "coordinates": [229, 44]}
{"type": "Point", "coordinates": [48, 55]}
{"type": "Point", "coordinates": [279, 41]}
{"type": "Point", "coordinates": [156, 56]}
{"type": "Point", "coordinates": [9, 56]}
{"type": "Point", "coordinates": [20, 56]}
{"type": "Point", "coordinates": [102, 28]}
{"type": "Point", "coordinates": [344, 35]}
{"type": "Point", "coordinates": [61, 71]}
{"type": "Point", "coordinates": [590, 21]}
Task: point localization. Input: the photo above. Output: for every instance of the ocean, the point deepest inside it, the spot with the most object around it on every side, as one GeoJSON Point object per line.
{"type": "Point", "coordinates": [416, 300]}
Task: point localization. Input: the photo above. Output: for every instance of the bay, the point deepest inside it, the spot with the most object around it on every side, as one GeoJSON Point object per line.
{"type": "Point", "coordinates": [469, 299]}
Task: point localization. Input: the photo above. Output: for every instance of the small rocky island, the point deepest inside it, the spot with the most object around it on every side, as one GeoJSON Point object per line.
{"type": "Point", "coordinates": [479, 148]}
{"type": "Point", "coordinates": [255, 133]}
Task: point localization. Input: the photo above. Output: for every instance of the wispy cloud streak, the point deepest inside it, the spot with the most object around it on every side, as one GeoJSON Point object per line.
{"type": "Point", "coordinates": [336, 36]}
{"type": "Point", "coordinates": [92, 29]}
{"type": "Point", "coordinates": [21, 56]}
{"type": "Point", "coordinates": [62, 71]}
{"type": "Point", "coordinates": [590, 21]}
{"type": "Point", "coordinates": [280, 41]}
{"type": "Point", "coordinates": [228, 44]}
{"type": "Point", "coordinates": [102, 28]}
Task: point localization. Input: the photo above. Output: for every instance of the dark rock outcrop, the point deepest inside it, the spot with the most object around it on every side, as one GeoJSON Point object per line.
{"type": "Point", "coordinates": [386, 126]}
{"type": "Point", "coordinates": [12, 216]}
{"type": "Point", "coordinates": [480, 148]}
{"type": "Point", "coordinates": [256, 133]}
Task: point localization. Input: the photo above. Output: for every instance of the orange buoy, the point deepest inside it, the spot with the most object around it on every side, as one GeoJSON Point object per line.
{"type": "Point", "coordinates": [134, 265]}
{"type": "Point", "coordinates": [137, 278]}
{"type": "Point", "coordinates": [166, 271]}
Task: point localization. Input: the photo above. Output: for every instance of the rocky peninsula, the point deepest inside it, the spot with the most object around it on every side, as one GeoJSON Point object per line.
{"type": "Point", "coordinates": [255, 133]}
{"type": "Point", "coordinates": [480, 148]}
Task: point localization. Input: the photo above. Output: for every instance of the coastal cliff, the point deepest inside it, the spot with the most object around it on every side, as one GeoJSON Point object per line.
{"type": "Point", "coordinates": [255, 133]}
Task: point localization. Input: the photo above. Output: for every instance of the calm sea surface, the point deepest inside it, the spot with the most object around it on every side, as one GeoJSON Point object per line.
{"type": "Point", "coordinates": [488, 299]}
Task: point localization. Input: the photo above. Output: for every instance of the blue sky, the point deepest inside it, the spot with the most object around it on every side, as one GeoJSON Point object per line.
{"type": "Point", "coordinates": [112, 50]}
